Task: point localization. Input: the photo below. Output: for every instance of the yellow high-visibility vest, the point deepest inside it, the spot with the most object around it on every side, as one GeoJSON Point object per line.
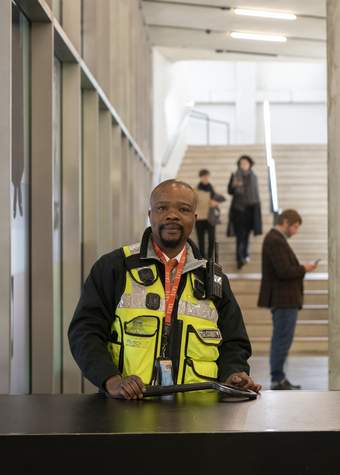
{"type": "Point", "coordinates": [138, 330]}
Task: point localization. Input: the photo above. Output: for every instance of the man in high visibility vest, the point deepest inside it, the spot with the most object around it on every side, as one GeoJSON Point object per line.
{"type": "Point", "coordinates": [145, 316]}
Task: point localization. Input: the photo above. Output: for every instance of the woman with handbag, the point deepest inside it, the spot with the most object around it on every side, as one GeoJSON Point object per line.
{"type": "Point", "coordinates": [245, 209]}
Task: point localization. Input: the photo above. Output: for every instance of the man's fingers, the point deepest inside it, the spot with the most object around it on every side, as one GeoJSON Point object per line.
{"type": "Point", "coordinates": [128, 389]}
{"type": "Point", "coordinates": [139, 383]}
{"type": "Point", "coordinates": [123, 392]}
{"type": "Point", "coordinates": [135, 388]}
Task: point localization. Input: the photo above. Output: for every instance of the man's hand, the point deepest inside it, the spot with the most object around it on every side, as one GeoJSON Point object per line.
{"type": "Point", "coordinates": [243, 381]}
{"type": "Point", "coordinates": [131, 387]}
{"type": "Point", "coordinates": [310, 266]}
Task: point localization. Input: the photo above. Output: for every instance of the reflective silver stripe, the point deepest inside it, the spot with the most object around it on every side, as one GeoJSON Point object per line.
{"type": "Point", "coordinates": [200, 310]}
{"type": "Point", "coordinates": [138, 298]}
{"type": "Point", "coordinates": [210, 334]}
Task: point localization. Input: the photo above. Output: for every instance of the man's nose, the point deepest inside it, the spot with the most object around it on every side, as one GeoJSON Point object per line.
{"type": "Point", "coordinates": [172, 215]}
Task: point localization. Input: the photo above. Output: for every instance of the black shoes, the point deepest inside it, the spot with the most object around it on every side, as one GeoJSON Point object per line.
{"type": "Point", "coordinates": [284, 385]}
{"type": "Point", "coordinates": [243, 262]}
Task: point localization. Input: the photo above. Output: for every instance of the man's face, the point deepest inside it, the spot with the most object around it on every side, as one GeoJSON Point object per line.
{"type": "Point", "coordinates": [204, 179]}
{"type": "Point", "coordinates": [172, 215]}
{"type": "Point", "coordinates": [291, 229]}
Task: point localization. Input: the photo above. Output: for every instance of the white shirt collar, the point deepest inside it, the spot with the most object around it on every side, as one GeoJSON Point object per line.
{"type": "Point", "coordinates": [178, 257]}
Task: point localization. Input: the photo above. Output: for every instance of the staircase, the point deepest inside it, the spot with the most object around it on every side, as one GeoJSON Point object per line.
{"type": "Point", "coordinates": [302, 184]}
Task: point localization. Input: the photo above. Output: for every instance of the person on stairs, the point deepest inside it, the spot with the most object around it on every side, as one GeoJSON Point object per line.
{"type": "Point", "coordinates": [208, 213]}
{"type": "Point", "coordinates": [245, 209]}
{"type": "Point", "coordinates": [281, 290]}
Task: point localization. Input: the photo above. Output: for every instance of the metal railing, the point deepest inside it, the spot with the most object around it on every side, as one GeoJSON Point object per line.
{"type": "Point", "coordinates": [195, 114]}
{"type": "Point", "coordinates": [191, 113]}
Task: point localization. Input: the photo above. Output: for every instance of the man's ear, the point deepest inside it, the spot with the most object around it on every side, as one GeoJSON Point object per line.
{"type": "Point", "coordinates": [149, 212]}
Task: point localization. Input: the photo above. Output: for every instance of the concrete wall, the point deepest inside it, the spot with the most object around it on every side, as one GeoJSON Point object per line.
{"type": "Point", "coordinates": [234, 92]}
{"type": "Point", "coordinates": [97, 128]}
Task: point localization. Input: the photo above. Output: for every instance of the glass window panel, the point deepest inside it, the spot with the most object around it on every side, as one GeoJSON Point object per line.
{"type": "Point", "coordinates": [20, 221]}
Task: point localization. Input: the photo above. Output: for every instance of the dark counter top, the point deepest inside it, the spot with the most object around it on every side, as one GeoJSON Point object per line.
{"type": "Point", "coordinates": [273, 411]}
{"type": "Point", "coordinates": [288, 432]}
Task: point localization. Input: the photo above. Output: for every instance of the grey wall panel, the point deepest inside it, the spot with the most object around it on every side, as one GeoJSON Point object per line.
{"type": "Point", "coordinates": [44, 378]}
{"type": "Point", "coordinates": [116, 184]}
{"type": "Point", "coordinates": [71, 13]}
{"type": "Point", "coordinates": [90, 193]}
{"type": "Point", "coordinates": [333, 19]}
{"type": "Point", "coordinates": [71, 150]}
{"type": "Point", "coordinates": [105, 209]}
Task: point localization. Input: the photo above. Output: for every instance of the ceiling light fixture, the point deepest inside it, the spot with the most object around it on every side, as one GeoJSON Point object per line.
{"type": "Point", "coordinates": [258, 37]}
{"type": "Point", "coordinates": [265, 14]}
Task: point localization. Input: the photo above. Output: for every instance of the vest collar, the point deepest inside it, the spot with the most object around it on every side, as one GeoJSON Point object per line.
{"type": "Point", "coordinates": [193, 261]}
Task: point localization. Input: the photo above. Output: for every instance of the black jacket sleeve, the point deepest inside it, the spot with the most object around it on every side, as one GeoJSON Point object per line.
{"type": "Point", "coordinates": [235, 349]}
{"type": "Point", "coordinates": [230, 187]}
{"type": "Point", "coordinates": [90, 328]}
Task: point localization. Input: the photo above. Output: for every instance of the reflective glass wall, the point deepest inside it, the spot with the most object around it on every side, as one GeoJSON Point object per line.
{"type": "Point", "coordinates": [20, 205]}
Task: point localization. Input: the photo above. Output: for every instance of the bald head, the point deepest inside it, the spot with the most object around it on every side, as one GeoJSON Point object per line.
{"type": "Point", "coordinates": [172, 215]}
{"type": "Point", "coordinates": [173, 185]}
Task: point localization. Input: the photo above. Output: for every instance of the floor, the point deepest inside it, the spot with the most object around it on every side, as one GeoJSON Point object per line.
{"type": "Point", "coordinates": [311, 372]}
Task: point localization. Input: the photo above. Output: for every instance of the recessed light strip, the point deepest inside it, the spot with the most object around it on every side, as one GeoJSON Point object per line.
{"type": "Point", "coordinates": [265, 14]}
{"type": "Point", "coordinates": [258, 37]}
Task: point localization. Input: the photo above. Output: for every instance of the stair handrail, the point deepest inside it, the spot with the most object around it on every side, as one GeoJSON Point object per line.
{"type": "Point", "coordinates": [196, 114]}
{"type": "Point", "coordinates": [273, 190]}
{"type": "Point", "coordinates": [183, 123]}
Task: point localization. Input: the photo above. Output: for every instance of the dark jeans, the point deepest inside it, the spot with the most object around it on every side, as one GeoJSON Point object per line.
{"type": "Point", "coordinates": [242, 244]}
{"type": "Point", "coordinates": [203, 227]}
{"type": "Point", "coordinates": [243, 224]}
{"type": "Point", "coordinates": [284, 322]}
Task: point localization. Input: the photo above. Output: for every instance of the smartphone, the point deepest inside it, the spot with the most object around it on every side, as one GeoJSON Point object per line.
{"type": "Point", "coordinates": [316, 262]}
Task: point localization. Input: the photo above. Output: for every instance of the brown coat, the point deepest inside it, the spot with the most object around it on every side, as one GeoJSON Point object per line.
{"type": "Point", "coordinates": [282, 275]}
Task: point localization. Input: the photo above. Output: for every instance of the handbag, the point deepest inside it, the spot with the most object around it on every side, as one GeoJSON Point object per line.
{"type": "Point", "coordinates": [214, 215]}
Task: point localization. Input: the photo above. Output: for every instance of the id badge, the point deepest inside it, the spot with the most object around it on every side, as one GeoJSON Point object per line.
{"type": "Point", "coordinates": [165, 367]}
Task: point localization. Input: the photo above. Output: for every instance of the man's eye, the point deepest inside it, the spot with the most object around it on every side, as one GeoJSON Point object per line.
{"type": "Point", "coordinates": [185, 210]}
{"type": "Point", "coordinates": [160, 208]}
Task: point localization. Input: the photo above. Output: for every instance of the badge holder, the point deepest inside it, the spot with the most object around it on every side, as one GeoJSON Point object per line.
{"type": "Point", "coordinates": [163, 375]}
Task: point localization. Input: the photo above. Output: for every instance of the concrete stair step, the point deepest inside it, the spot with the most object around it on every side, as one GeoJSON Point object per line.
{"type": "Point", "coordinates": [304, 328]}
{"type": "Point", "coordinates": [229, 266]}
{"type": "Point", "coordinates": [301, 345]}
{"type": "Point", "coordinates": [246, 286]}
{"type": "Point", "coordinates": [249, 301]}
{"type": "Point", "coordinates": [255, 315]}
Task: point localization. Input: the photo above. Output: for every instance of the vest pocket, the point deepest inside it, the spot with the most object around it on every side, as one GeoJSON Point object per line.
{"type": "Point", "coordinates": [140, 346]}
{"type": "Point", "coordinates": [201, 353]}
{"type": "Point", "coordinates": [202, 343]}
{"type": "Point", "coordinates": [199, 371]}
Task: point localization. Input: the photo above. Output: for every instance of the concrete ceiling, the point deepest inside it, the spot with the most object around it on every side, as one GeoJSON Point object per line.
{"type": "Point", "coordinates": [200, 29]}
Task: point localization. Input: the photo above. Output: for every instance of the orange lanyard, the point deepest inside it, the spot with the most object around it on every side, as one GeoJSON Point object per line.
{"type": "Point", "coordinates": [170, 287]}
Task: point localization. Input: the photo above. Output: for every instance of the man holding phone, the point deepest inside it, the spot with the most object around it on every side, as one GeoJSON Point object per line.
{"type": "Point", "coordinates": [282, 291]}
